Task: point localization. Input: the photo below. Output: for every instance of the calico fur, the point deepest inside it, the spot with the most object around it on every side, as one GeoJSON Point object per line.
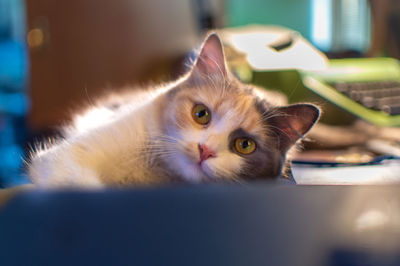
{"type": "Point", "coordinates": [150, 137]}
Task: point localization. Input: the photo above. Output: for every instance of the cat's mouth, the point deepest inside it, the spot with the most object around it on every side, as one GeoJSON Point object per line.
{"type": "Point", "coordinates": [195, 169]}
{"type": "Point", "coordinates": [205, 170]}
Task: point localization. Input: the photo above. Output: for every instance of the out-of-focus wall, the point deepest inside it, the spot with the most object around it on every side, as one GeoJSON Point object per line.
{"type": "Point", "coordinates": [80, 48]}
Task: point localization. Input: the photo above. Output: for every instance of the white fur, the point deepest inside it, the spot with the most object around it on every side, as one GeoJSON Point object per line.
{"type": "Point", "coordinates": [100, 148]}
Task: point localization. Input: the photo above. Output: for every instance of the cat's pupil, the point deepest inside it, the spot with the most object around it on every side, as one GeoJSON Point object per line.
{"type": "Point", "coordinates": [245, 144]}
{"type": "Point", "coordinates": [202, 113]}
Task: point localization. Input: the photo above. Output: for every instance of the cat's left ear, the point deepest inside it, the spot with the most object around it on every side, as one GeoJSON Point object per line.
{"type": "Point", "coordinates": [211, 59]}
{"type": "Point", "coordinates": [291, 122]}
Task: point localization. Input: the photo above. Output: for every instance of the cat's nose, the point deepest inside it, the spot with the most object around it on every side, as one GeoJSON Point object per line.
{"type": "Point", "coordinates": [205, 152]}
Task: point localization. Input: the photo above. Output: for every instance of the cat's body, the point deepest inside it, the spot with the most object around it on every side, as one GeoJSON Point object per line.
{"type": "Point", "coordinates": [104, 145]}
{"type": "Point", "coordinates": [207, 126]}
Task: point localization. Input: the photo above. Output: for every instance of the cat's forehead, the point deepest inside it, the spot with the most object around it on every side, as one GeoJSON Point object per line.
{"type": "Point", "coordinates": [232, 106]}
{"type": "Point", "coordinates": [240, 110]}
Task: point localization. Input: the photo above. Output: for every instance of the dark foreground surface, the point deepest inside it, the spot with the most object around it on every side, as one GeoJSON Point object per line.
{"type": "Point", "coordinates": [258, 224]}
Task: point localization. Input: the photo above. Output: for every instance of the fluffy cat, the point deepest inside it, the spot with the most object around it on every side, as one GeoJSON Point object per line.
{"type": "Point", "coordinates": [206, 126]}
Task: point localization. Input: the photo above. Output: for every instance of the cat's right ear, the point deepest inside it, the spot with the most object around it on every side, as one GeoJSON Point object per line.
{"type": "Point", "coordinates": [211, 60]}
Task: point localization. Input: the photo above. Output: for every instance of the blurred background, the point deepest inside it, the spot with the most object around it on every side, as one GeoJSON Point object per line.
{"type": "Point", "coordinates": [55, 56]}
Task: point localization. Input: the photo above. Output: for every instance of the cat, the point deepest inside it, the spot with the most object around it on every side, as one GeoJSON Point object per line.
{"type": "Point", "coordinates": [206, 126]}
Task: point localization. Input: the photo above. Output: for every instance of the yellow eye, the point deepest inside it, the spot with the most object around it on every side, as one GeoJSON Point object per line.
{"type": "Point", "coordinates": [201, 114]}
{"type": "Point", "coordinates": [245, 145]}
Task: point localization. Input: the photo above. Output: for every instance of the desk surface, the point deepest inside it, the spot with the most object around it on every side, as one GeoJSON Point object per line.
{"type": "Point", "coordinates": [257, 224]}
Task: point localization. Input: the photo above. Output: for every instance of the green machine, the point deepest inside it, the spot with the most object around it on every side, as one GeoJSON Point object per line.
{"type": "Point", "coordinates": [367, 88]}
{"type": "Point", "coordinates": [281, 59]}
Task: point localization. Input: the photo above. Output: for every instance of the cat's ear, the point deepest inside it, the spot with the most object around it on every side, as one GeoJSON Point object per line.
{"type": "Point", "coordinates": [211, 59]}
{"type": "Point", "coordinates": [291, 122]}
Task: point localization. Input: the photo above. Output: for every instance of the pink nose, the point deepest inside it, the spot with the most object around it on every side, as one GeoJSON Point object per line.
{"type": "Point", "coordinates": [205, 152]}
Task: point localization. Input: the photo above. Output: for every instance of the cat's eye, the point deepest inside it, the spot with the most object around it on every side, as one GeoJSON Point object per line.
{"type": "Point", "coordinates": [201, 114]}
{"type": "Point", "coordinates": [245, 145]}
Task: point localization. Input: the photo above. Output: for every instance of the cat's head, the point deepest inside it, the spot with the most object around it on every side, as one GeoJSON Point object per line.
{"type": "Point", "coordinates": [218, 128]}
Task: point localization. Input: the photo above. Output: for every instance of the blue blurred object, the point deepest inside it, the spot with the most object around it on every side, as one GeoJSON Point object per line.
{"type": "Point", "coordinates": [13, 91]}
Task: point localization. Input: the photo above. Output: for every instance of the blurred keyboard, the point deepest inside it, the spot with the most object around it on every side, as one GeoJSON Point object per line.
{"type": "Point", "coordinates": [378, 95]}
{"type": "Point", "coordinates": [368, 88]}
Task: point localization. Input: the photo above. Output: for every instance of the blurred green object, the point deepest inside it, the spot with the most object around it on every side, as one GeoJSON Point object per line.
{"type": "Point", "coordinates": [362, 71]}
{"type": "Point", "coordinates": [279, 58]}
{"type": "Point", "coordinates": [318, 87]}
{"type": "Point", "coordinates": [290, 82]}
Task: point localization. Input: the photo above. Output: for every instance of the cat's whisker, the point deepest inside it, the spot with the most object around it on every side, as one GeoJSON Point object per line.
{"type": "Point", "coordinates": [227, 84]}
{"type": "Point", "coordinates": [166, 146]}
{"type": "Point", "coordinates": [238, 180]}
{"type": "Point", "coordinates": [271, 114]}
{"type": "Point", "coordinates": [280, 130]}
{"type": "Point", "coordinates": [168, 137]}
{"type": "Point", "coordinates": [221, 70]}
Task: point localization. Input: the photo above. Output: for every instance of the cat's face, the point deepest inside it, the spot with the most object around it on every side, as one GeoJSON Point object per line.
{"type": "Point", "coordinates": [218, 128]}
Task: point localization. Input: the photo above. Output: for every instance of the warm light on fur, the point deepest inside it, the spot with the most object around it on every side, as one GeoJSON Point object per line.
{"type": "Point", "coordinates": [152, 138]}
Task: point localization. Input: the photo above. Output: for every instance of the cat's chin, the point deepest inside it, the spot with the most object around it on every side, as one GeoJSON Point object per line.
{"type": "Point", "coordinates": [193, 172]}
